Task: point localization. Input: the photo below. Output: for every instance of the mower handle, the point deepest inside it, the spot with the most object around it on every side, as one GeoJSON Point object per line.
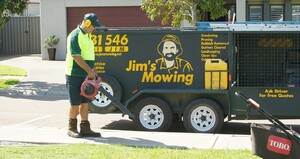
{"type": "Point", "coordinates": [247, 100]}
{"type": "Point", "coordinates": [271, 118]}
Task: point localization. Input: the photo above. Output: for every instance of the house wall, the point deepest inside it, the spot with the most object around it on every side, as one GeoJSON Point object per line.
{"type": "Point", "coordinates": [54, 14]}
{"type": "Point", "coordinates": [53, 22]}
{"type": "Point", "coordinates": [241, 10]}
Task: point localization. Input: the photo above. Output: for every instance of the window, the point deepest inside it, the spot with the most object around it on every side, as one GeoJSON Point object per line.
{"type": "Point", "coordinates": [32, 10]}
{"type": "Point", "coordinates": [255, 13]}
{"type": "Point", "coordinates": [276, 13]}
{"type": "Point", "coordinates": [296, 13]}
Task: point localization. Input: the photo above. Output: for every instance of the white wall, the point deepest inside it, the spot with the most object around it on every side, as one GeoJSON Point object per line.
{"type": "Point", "coordinates": [35, 1]}
{"type": "Point", "coordinates": [240, 10]}
{"type": "Point", "coordinates": [54, 21]}
{"type": "Point", "coordinates": [93, 3]}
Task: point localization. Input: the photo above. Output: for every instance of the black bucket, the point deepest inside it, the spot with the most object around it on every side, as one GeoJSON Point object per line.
{"type": "Point", "coordinates": [271, 142]}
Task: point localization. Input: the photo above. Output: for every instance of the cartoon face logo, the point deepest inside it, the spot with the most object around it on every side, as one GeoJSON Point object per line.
{"type": "Point", "coordinates": [170, 49]}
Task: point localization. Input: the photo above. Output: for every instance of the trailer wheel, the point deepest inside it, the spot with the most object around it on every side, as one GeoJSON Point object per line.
{"type": "Point", "coordinates": [102, 104]}
{"type": "Point", "coordinates": [152, 114]}
{"type": "Point", "coordinates": [204, 116]}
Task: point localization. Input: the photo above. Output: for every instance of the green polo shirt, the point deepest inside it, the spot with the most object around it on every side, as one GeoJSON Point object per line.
{"type": "Point", "coordinates": [79, 43]}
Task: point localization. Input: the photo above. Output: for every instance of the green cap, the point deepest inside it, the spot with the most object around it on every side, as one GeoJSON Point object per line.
{"type": "Point", "coordinates": [93, 18]}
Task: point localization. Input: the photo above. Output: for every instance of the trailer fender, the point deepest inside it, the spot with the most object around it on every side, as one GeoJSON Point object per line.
{"type": "Point", "coordinates": [103, 104]}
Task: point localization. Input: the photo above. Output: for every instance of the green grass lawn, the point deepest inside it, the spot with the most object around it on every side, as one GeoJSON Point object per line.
{"type": "Point", "coordinates": [6, 83]}
{"type": "Point", "coordinates": [11, 71]}
{"type": "Point", "coordinates": [91, 151]}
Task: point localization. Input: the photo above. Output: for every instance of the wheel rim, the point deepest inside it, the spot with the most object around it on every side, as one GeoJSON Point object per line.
{"type": "Point", "coordinates": [151, 117]}
{"type": "Point", "coordinates": [100, 99]}
{"type": "Point", "coordinates": [203, 118]}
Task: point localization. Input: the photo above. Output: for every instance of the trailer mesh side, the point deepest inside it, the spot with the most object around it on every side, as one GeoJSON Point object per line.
{"type": "Point", "coordinates": [268, 60]}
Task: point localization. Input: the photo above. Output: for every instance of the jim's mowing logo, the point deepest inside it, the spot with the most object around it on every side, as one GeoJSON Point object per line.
{"type": "Point", "coordinates": [169, 67]}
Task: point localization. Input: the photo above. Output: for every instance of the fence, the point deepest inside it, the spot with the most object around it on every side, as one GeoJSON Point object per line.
{"type": "Point", "coordinates": [21, 35]}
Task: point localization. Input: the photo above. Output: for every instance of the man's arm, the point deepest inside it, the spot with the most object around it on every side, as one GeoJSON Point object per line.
{"type": "Point", "coordinates": [79, 60]}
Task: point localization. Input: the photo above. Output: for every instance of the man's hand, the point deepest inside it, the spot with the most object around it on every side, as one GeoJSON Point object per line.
{"type": "Point", "coordinates": [92, 75]}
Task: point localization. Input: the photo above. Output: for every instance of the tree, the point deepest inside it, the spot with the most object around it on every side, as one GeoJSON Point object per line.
{"type": "Point", "coordinates": [175, 11]}
{"type": "Point", "coordinates": [10, 7]}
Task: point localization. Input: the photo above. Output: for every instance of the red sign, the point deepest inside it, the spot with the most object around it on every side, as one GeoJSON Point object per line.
{"type": "Point", "coordinates": [279, 145]}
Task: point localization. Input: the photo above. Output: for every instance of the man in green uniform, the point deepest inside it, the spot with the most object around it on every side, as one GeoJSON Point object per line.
{"type": "Point", "coordinates": [79, 64]}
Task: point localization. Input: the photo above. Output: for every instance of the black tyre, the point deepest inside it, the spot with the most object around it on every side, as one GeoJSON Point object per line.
{"type": "Point", "coordinates": [102, 104]}
{"type": "Point", "coordinates": [204, 116]}
{"type": "Point", "coordinates": [152, 114]}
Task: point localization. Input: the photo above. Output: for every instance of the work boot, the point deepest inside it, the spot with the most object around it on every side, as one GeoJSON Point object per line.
{"type": "Point", "coordinates": [72, 132]}
{"type": "Point", "coordinates": [85, 130]}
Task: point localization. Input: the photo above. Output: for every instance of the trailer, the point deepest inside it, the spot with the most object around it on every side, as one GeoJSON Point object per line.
{"type": "Point", "coordinates": [164, 75]}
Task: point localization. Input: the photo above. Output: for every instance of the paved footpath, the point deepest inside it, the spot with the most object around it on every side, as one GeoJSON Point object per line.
{"type": "Point", "coordinates": [45, 80]}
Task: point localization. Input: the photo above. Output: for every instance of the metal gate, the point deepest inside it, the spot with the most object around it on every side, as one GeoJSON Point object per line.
{"type": "Point", "coordinates": [269, 59]}
{"type": "Point", "coordinates": [21, 35]}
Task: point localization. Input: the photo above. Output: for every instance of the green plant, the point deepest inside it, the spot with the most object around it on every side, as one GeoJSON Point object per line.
{"type": "Point", "coordinates": [51, 41]}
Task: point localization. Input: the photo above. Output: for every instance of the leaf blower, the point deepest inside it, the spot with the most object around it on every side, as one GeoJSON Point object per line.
{"type": "Point", "coordinates": [90, 88]}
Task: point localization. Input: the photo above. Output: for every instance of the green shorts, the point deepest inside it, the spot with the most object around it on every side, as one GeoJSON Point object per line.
{"type": "Point", "coordinates": [73, 85]}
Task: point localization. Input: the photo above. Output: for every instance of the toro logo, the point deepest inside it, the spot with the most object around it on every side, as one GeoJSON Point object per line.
{"type": "Point", "coordinates": [279, 145]}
